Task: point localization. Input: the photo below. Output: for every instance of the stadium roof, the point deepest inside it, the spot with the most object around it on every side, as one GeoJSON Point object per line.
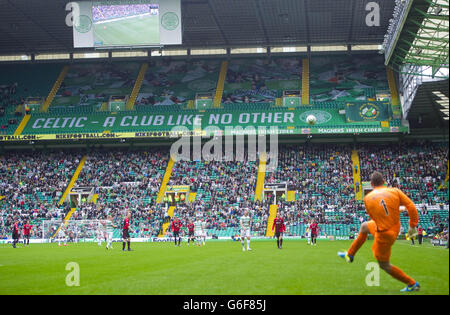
{"type": "Point", "coordinates": [431, 104]}
{"type": "Point", "coordinates": [32, 26]}
{"type": "Point", "coordinates": [418, 35]}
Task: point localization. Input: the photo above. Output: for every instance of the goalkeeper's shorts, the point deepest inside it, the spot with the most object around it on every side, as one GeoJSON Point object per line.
{"type": "Point", "coordinates": [383, 241]}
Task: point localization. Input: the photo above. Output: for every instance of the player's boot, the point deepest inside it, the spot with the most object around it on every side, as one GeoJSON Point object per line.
{"type": "Point", "coordinates": [411, 288]}
{"type": "Point", "coordinates": [346, 256]}
{"type": "Point", "coordinates": [248, 248]}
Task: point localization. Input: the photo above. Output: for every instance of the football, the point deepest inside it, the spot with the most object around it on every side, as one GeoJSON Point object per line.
{"type": "Point", "coordinates": [311, 120]}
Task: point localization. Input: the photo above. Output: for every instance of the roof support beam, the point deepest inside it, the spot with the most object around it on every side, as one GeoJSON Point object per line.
{"type": "Point", "coordinates": [305, 13]}
{"type": "Point", "coordinates": [216, 20]}
{"type": "Point", "coordinates": [261, 22]}
{"type": "Point", "coordinates": [350, 31]}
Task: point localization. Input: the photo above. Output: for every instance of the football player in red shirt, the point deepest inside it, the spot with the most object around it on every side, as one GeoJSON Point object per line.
{"type": "Point", "coordinates": [278, 225]}
{"type": "Point", "coordinates": [191, 228]}
{"type": "Point", "coordinates": [15, 233]}
{"type": "Point", "coordinates": [176, 225]}
{"type": "Point", "coordinates": [314, 228]}
{"type": "Point", "coordinates": [26, 233]}
{"type": "Point", "coordinates": [126, 231]}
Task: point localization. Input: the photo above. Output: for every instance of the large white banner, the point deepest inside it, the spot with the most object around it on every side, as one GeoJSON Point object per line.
{"type": "Point", "coordinates": [83, 31]}
{"type": "Point", "coordinates": [170, 22]}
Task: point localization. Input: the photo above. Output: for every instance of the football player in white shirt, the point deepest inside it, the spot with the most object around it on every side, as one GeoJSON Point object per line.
{"type": "Point", "coordinates": [62, 235]}
{"type": "Point", "coordinates": [245, 230]}
{"type": "Point", "coordinates": [100, 233]}
{"type": "Point", "coordinates": [204, 231]}
{"type": "Point", "coordinates": [109, 229]}
{"type": "Point", "coordinates": [198, 231]}
{"type": "Point", "coordinates": [307, 233]}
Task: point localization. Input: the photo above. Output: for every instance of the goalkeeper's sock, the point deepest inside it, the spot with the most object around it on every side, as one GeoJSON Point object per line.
{"type": "Point", "coordinates": [357, 243]}
{"type": "Point", "coordinates": [123, 245]}
{"type": "Point", "coordinates": [398, 274]}
{"type": "Point", "coordinates": [128, 243]}
{"type": "Point", "coordinates": [278, 243]}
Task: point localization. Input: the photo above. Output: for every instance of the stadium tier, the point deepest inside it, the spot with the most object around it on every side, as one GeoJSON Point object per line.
{"type": "Point", "coordinates": [346, 94]}
{"type": "Point", "coordinates": [176, 82]}
{"type": "Point", "coordinates": [339, 78]}
{"type": "Point", "coordinates": [319, 175]}
{"type": "Point", "coordinates": [87, 86]}
{"type": "Point", "coordinates": [21, 81]}
{"type": "Point", "coordinates": [117, 100]}
{"type": "Point", "coordinates": [347, 78]}
{"type": "Point", "coordinates": [261, 80]}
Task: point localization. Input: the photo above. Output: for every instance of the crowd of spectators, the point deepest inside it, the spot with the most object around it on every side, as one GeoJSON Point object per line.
{"type": "Point", "coordinates": [125, 181]}
{"type": "Point", "coordinates": [8, 95]}
{"type": "Point", "coordinates": [419, 169]}
{"type": "Point", "coordinates": [108, 12]}
{"type": "Point", "coordinates": [107, 168]}
{"type": "Point", "coordinates": [31, 184]}
{"type": "Point", "coordinates": [129, 180]}
{"type": "Point", "coordinates": [322, 175]}
{"type": "Point", "coordinates": [224, 190]}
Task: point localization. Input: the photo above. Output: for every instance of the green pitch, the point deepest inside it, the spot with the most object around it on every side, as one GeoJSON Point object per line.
{"type": "Point", "coordinates": [131, 31]}
{"type": "Point", "coordinates": [218, 268]}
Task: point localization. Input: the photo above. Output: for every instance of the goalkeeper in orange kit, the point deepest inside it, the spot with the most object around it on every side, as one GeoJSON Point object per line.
{"type": "Point", "coordinates": [383, 206]}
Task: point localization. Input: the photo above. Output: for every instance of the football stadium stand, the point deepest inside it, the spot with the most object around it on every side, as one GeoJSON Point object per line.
{"type": "Point", "coordinates": [320, 175]}
{"type": "Point", "coordinates": [18, 82]}
{"type": "Point", "coordinates": [86, 86]}
{"type": "Point", "coordinates": [347, 94]}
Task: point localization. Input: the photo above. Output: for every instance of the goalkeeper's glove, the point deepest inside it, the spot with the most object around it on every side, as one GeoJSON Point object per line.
{"type": "Point", "coordinates": [412, 232]}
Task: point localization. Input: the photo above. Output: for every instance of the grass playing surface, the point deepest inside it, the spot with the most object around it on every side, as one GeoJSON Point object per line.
{"type": "Point", "coordinates": [130, 31]}
{"type": "Point", "coordinates": [218, 268]}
